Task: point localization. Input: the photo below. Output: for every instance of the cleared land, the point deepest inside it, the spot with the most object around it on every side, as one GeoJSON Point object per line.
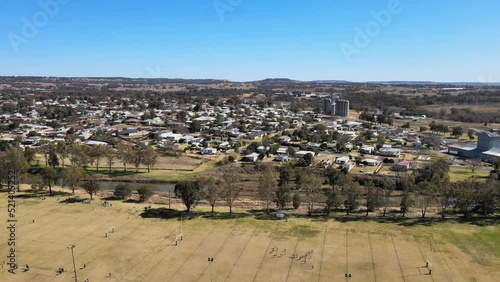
{"type": "Point", "coordinates": [143, 249]}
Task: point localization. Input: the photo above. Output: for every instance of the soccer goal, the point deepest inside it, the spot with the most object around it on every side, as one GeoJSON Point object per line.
{"type": "Point", "coordinates": [178, 232]}
{"type": "Point", "coordinates": [430, 253]}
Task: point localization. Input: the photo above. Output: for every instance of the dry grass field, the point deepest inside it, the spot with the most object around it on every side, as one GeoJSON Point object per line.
{"type": "Point", "coordinates": [143, 249]}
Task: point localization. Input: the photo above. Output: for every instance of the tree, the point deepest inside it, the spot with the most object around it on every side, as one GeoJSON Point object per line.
{"type": "Point", "coordinates": [473, 164]}
{"type": "Point", "coordinates": [282, 198]}
{"type": "Point", "coordinates": [182, 116]}
{"type": "Point", "coordinates": [91, 186]}
{"type": "Point", "coordinates": [123, 191]}
{"type": "Point", "coordinates": [49, 177]}
{"type": "Point", "coordinates": [110, 156]}
{"type": "Point", "coordinates": [267, 185]}
{"type": "Point", "coordinates": [489, 197]}
{"type": "Point", "coordinates": [53, 160]}
{"type": "Point", "coordinates": [189, 192]}
{"type": "Point", "coordinates": [457, 131]}
{"type": "Point", "coordinates": [44, 149]}
{"type": "Point", "coordinates": [72, 176]}
{"type": "Point", "coordinates": [406, 201]}
{"type": "Point", "coordinates": [299, 176]}
{"type": "Point", "coordinates": [79, 155]}
{"type": "Point", "coordinates": [285, 175]}
{"type": "Point", "coordinates": [136, 156]}
{"type": "Point", "coordinates": [438, 168]}
{"type": "Point", "coordinates": [296, 200]}
{"type": "Point", "coordinates": [195, 126]}
{"type": "Point", "coordinates": [230, 186]}
{"type": "Point", "coordinates": [29, 154]}
{"type": "Point", "coordinates": [13, 160]}
{"type": "Point", "coordinates": [62, 149]}
{"type": "Point", "coordinates": [335, 176]}
{"type": "Point", "coordinates": [145, 192]}
{"type": "Point", "coordinates": [373, 199]}
{"type": "Point", "coordinates": [97, 153]}
{"type": "Point", "coordinates": [124, 153]}
{"type": "Point", "coordinates": [311, 185]}
{"type": "Point", "coordinates": [471, 133]}
{"type": "Point", "coordinates": [351, 191]}
{"type": "Point", "coordinates": [495, 162]}
{"type": "Point", "coordinates": [368, 135]}
{"type": "Point", "coordinates": [381, 138]}
{"type": "Point", "coordinates": [424, 195]}
{"type": "Point", "coordinates": [210, 190]}
{"type": "Point", "coordinates": [307, 160]}
{"type": "Point", "coordinates": [445, 196]}
{"type": "Point", "coordinates": [333, 199]}
{"type": "Point", "coordinates": [381, 118]}
{"type": "Point", "coordinates": [389, 187]}
{"type": "Point", "coordinates": [150, 157]}
{"type": "Point", "coordinates": [466, 195]}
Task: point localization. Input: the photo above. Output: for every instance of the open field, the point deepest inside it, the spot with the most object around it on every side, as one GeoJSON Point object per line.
{"type": "Point", "coordinates": [167, 168]}
{"type": "Point", "coordinates": [465, 125]}
{"type": "Point", "coordinates": [491, 108]}
{"type": "Point", "coordinates": [462, 173]}
{"type": "Point", "coordinates": [143, 249]}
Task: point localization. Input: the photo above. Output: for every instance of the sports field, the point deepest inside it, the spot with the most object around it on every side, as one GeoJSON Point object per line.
{"type": "Point", "coordinates": [144, 249]}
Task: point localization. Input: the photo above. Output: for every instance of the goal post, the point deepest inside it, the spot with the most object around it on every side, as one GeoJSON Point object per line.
{"type": "Point", "coordinates": [178, 235]}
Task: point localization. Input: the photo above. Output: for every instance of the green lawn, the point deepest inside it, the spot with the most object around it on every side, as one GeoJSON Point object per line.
{"type": "Point", "coordinates": [463, 174]}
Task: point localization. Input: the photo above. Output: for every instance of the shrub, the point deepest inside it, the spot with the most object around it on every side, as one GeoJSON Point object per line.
{"type": "Point", "coordinates": [123, 191]}
{"type": "Point", "coordinates": [145, 193]}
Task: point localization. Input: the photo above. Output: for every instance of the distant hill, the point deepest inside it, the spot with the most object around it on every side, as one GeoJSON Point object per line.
{"type": "Point", "coordinates": [111, 80]}
{"type": "Point", "coordinates": [275, 81]}
{"type": "Point", "coordinates": [264, 82]}
{"type": "Point", "coordinates": [331, 81]}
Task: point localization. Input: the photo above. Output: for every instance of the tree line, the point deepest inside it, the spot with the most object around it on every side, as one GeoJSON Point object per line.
{"type": "Point", "coordinates": [326, 191]}
{"type": "Point", "coordinates": [81, 157]}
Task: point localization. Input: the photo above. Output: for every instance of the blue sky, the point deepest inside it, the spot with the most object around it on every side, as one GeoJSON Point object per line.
{"type": "Point", "coordinates": [436, 40]}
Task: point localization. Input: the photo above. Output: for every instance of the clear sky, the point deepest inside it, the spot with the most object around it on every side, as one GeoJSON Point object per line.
{"type": "Point", "coordinates": [435, 40]}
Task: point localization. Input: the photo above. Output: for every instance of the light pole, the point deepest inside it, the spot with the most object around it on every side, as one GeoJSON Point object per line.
{"type": "Point", "coordinates": [71, 247]}
{"type": "Point", "coordinates": [347, 274]}
{"type": "Point", "coordinates": [210, 260]}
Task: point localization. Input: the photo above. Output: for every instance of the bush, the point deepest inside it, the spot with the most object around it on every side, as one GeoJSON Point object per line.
{"type": "Point", "coordinates": [296, 200]}
{"type": "Point", "coordinates": [388, 161]}
{"type": "Point", "coordinates": [123, 191]}
{"type": "Point", "coordinates": [145, 193]}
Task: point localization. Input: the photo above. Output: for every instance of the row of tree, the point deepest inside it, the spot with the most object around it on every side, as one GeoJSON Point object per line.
{"type": "Point", "coordinates": [210, 188]}
{"type": "Point", "coordinates": [430, 186]}
{"type": "Point", "coordinates": [55, 155]}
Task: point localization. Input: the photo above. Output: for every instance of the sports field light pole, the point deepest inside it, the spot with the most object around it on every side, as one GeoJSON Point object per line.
{"type": "Point", "coordinates": [347, 274]}
{"type": "Point", "coordinates": [210, 260]}
{"type": "Point", "coordinates": [73, 256]}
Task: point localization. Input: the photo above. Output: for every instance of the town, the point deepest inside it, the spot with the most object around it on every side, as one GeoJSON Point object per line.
{"type": "Point", "coordinates": [279, 148]}
{"type": "Point", "coordinates": [230, 140]}
{"type": "Point", "coordinates": [284, 151]}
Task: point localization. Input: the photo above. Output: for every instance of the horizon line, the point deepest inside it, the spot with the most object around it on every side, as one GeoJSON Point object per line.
{"type": "Point", "coordinates": [268, 78]}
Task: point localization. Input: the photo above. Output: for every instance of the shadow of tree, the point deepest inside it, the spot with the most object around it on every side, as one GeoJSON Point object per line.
{"type": "Point", "coordinates": [42, 194]}
{"type": "Point", "coordinates": [413, 221]}
{"type": "Point", "coordinates": [73, 200]}
{"type": "Point", "coordinates": [165, 213]}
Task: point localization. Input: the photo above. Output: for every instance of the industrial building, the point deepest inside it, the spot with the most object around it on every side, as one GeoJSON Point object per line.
{"type": "Point", "coordinates": [487, 147]}
{"type": "Point", "coordinates": [342, 107]}
{"type": "Point", "coordinates": [336, 107]}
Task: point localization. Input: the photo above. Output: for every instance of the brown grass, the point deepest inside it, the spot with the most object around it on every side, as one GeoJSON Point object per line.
{"type": "Point", "coordinates": [142, 249]}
